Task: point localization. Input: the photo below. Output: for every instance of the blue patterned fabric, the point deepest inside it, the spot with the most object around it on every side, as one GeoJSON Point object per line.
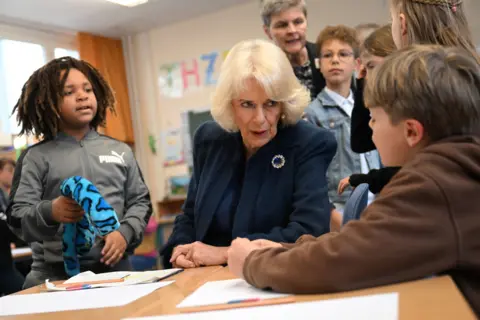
{"type": "Point", "coordinates": [99, 219]}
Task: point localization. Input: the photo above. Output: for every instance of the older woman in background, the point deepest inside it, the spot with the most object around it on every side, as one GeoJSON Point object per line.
{"type": "Point", "coordinates": [285, 23]}
{"type": "Point", "coordinates": [259, 172]}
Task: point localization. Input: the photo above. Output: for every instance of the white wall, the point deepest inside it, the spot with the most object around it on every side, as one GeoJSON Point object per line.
{"type": "Point", "coordinates": [217, 32]}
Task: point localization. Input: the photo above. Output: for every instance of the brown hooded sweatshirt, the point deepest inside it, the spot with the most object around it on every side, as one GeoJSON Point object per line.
{"type": "Point", "coordinates": [425, 222]}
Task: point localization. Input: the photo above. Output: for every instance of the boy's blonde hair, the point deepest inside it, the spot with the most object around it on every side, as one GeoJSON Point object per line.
{"type": "Point", "coordinates": [437, 86]}
{"type": "Point", "coordinates": [440, 22]}
{"type": "Point", "coordinates": [341, 33]}
{"type": "Point", "coordinates": [266, 63]}
{"type": "Point", "coordinates": [380, 42]}
{"type": "Point", "coordinates": [269, 8]}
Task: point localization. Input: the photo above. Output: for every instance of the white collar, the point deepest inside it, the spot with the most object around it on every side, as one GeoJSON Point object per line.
{"type": "Point", "coordinates": [346, 104]}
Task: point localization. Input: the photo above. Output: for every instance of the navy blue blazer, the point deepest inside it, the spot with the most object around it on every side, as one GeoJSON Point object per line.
{"type": "Point", "coordinates": [275, 204]}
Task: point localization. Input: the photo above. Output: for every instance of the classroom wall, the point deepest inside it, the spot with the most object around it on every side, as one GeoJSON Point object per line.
{"type": "Point", "coordinates": [159, 97]}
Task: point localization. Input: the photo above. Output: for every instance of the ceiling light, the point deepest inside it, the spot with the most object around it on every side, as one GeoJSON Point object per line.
{"type": "Point", "coordinates": [129, 3]}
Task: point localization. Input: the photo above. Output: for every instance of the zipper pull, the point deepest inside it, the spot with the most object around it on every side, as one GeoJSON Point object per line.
{"type": "Point", "coordinates": [81, 143]}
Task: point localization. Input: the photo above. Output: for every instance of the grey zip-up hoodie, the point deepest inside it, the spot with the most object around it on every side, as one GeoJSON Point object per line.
{"type": "Point", "coordinates": [108, 163]}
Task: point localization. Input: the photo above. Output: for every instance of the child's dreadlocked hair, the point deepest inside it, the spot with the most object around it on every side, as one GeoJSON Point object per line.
{"type": "Point", "coordinates": [38, 108]}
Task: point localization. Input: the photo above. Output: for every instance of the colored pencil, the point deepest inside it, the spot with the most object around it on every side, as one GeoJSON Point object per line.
{"type": "Point", "coordinates": [238, 304]}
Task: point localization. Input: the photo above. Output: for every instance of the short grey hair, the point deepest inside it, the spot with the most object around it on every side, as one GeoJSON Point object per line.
{"type": "Point", "coordinates": [273, 7]}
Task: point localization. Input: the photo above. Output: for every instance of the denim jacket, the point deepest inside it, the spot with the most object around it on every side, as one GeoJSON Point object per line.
{"type": "Point", "coordinates": [324, 112]}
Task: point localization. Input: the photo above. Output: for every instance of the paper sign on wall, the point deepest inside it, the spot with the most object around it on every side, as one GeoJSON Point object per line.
{"type": "Point", "coordinates": [177, 78]}
{"type": "Point", "coordinates": [173, 147]}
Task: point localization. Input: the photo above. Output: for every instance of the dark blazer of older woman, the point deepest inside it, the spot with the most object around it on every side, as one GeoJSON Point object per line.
{"type": "Point", "coordinates": [279, 194]}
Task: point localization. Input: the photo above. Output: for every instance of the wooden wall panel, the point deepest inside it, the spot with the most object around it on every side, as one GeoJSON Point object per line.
{"type": "Point", "coordinates": [106, 55]}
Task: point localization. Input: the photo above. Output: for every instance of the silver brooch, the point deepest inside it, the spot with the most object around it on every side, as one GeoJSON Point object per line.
{"type": "Point", "coordinates": [278, 161]}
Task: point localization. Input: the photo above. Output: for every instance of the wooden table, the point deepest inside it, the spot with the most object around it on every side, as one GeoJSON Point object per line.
{"type": "Point", "coordinates": [163, 300]}
{"type": "Point", "coordinates": [435, 298]}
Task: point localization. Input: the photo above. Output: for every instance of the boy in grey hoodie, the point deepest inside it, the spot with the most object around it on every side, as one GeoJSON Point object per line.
{"type": "Point", "coordinates": [63, 103]}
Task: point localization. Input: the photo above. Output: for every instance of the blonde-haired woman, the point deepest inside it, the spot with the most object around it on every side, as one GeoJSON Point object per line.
{"type": "Point", "coordinates": [259, 172]}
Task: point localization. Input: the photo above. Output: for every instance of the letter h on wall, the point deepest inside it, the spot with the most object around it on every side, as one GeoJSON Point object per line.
{"type": "Point", "coordinates": [187, 73]}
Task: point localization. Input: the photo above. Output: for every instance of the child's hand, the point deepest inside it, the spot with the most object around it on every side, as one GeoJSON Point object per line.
{"type": "Point", "coordinates": [66, 210]}
{"type": "Point", "coordinates": [336, 220]}
{"type": "Point", "coordinates": [362, 72]}
{"type": "Point", "coordinates": [238, 253]}
{"type": "Point", "coordinates": [262, 244]}
{"type": "Point", "coordinates": [361, 69]}
{"type": "Point", "coordinates": [115, 246]}
{"type": "Point", "coordinates": [343, 184]}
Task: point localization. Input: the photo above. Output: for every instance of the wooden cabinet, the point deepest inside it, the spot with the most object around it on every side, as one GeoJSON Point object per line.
{"type": "Point", "coordinates": [106, 55]}
{"type": "Point", "coordinates": [170, 206]}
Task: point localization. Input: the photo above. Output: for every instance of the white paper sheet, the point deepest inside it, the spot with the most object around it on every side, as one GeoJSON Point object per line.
{"type": "Point", "coordinates": [90, 276]}
{"type": "Point", "coordinates": [75, 300]}
{"type": "Point", "coordinates": [131, 277]}
{"type": "Point", "coordinates": [374, 307]}
{"type": "Point", "coordinates": [220, 292]}
{"type": "Point", "coordinates": [154, 275]}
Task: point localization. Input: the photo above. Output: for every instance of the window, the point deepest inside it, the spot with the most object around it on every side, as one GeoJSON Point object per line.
{"type": "Point", "coordinates": [60, 52]}
{"type": "Point", "coordinates": [22, 51]}
{"type": "Point", "coordinates": [18, 60]}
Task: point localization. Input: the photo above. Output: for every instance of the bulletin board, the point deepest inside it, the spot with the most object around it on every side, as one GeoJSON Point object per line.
{"type": "Point", "coordinates": [185, 88]}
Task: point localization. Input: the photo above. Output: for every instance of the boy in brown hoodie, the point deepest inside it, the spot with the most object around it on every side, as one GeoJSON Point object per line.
{"type": "Point", "coordinates": [425, 116]}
